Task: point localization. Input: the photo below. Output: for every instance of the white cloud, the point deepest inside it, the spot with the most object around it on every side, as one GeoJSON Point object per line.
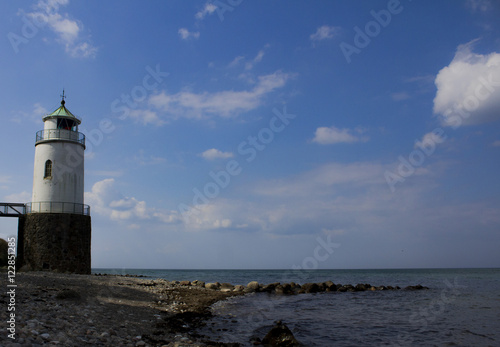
{"type": "Point", "coordinates": [324, 32]}
{"type": "Point", "coordinates": [35, 115]}
{"type": "Point", "coordinates": [258, 58]}
{"type": "Point", "coordinates": [210, 216]}
{"type": "Point", "coordinates": [429, 140]}
{"type": "Point", "coordinates": [334, 198]}
{"type": "Point", "coordinates": [323, 180]}
{"type": "Point", "coordinates": [146, 117]}
{"type": "Point", "coordinates": [331, 135]}
{"type": "Point", "coordinates": [479, 5]}
{"type": "Point", "coordinates": [208, 9]}
{"type": "Point", "coordinates": [105, 199]}
{"type": "Point", "coordinates": [236, 61]}
{"type": "Point", "coordinates": [212, 154]}
{"type": "Point", "coordinates": [68, 31]}
{"type": "Point", "coordinates": [186, 34]}
{"type": "Point", "coordinates": [468, 89]}
{"type": "Point", "coordinates": [227, 103]}
{"type": "Point", "coordinates": [83, 50]}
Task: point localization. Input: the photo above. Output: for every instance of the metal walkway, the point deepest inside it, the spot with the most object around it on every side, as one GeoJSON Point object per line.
{"type": "Point", "coordinates": [12, 209]}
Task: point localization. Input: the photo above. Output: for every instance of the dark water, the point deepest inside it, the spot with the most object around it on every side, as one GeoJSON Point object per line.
{"type": "Point", "coordinates": [461, 308]}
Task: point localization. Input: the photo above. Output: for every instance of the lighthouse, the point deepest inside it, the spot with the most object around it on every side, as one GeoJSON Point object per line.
{"type": "Point", "coordinates": [56, 230]}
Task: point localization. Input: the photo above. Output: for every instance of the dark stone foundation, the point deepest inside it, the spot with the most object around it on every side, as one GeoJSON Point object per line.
{"type": "Point", "coordinates": [54, 242]}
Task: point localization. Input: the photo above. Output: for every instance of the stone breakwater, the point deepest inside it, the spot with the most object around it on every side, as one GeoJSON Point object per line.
{"type": "Point", "coordinates": [294, 288]}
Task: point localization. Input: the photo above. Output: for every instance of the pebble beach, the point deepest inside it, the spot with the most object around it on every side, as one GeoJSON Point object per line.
{"type": "Point", "coordinates": [77, 310]}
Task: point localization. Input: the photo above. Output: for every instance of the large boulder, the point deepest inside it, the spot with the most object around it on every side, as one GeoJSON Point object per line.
{"type": "Point", "coordinates": [239, 288]}
{"type": "Point", "coordinates": [280, 336]}
{"type": "Point", "coordinates": [283, 289]}
{"type": "Point", "coordinates": [360, 287]}
{"type": "Point", "coordinates": [269, 287]}
{"type": "Point", "coordinates": [4, 249]}
{"type": "Point", "coordinates": [197, 283]}
{"type": "Point", "coordinates": [226, 287]}
{"type": "Point", "coordinates": [330, 286]}
{"type": "Point", "coordinates": [213, 286]}
{"type": "Point", "coordinates": [253, 286]}
{"type": "Point", "coordinates": [311, 288]}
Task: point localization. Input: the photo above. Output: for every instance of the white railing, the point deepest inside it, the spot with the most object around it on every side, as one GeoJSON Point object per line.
{"type": "Point", "coordinates": [60, 134]}
{"type": "Point", "coordinates": [57, 207]}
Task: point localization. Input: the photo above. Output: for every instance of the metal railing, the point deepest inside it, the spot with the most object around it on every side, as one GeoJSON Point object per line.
{"type": "Point", "coordinates": [60, 134]}
{"type": "Point", "coordinates": [12, 209]}
{"type": "Point", "coordinates": [57, 207]}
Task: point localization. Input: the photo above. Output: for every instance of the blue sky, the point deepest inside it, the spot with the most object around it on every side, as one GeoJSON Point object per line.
{"type": "Point", "coordinates": [258, 134]}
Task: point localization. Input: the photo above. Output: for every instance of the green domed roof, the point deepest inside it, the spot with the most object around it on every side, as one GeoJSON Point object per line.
{"type": "Point", "coordinates": [62, 112]}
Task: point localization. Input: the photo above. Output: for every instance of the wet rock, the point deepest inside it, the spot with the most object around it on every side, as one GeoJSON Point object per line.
{"type": "Point", "coordinates": [284, 289]}
{"type": "Point", "coordinates": [239, 288]}
{"type": "Point", "coordinates": [310, 288]}
{"type": "Point", "coordinates": [269, 287]}
{"type": "Point", "coordinates": [253, 286]}
{"type": "Point", "coordinates": [360, 287]}
{"type": "Point", "coordinates": [213, 286]}
{"type": "Point", "coordinates": [330, 286]}
{"type": "Point", "coordinates": [279, 290]}
{"type": "Point", "coordinates": [197, 283]}
{"type": "Point", "coordinates": [185, 283]}
{"type": "Point", "coordinates": [417, 287]}
{"type": "Point", "coordinates": [342, 289]}
{"type": "Point", "coordinates": [280, 336]}
{"type": "Point", "coordinates": [226, 287]}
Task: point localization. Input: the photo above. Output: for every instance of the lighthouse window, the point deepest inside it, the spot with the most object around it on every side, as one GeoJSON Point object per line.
{"type": "Point", "coordinates": [48, 169]}
{"type": "Point", "coordinates": [66, 124]}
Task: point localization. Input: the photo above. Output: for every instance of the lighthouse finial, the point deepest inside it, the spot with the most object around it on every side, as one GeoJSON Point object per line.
{"type": "Point", "coordinates": [63, 97]}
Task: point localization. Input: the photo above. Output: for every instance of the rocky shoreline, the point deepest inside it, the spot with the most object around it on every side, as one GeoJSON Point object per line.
{"type": "Point", "coordinates": [109, 310]}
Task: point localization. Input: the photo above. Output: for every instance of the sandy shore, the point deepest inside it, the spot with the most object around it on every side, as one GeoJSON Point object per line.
{"type": "Point", "coordinates": [78, 310]}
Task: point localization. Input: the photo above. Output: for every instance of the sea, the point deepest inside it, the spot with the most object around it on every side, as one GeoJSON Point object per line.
{"type": "Point", "coordinates": [461, 308]}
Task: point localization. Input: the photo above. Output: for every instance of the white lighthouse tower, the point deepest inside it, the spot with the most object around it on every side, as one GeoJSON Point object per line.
{"type": "Point", "coordinates": [58, 179]}
{"type": "Point", "coordinates": [55, 233]}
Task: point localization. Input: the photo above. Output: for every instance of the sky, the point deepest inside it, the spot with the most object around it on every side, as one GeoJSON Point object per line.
{"type": "Point", "coordinates": [237, 134]}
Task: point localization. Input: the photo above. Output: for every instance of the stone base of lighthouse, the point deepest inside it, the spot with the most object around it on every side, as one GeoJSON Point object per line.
{"type": "Point", "coordinates": [54, 242]}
